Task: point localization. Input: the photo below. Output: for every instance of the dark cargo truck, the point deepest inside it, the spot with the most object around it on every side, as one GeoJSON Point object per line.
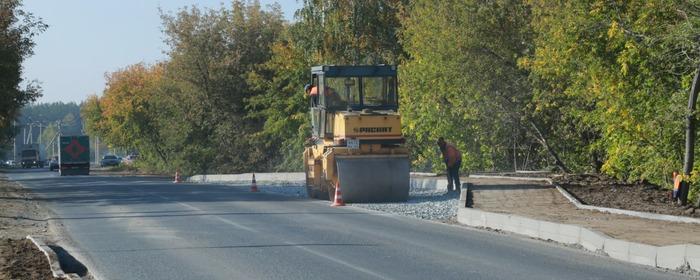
{"type": "Point", "coordinates": [74, 158]}
{"type": "Point", "coordinates": [30, 156]}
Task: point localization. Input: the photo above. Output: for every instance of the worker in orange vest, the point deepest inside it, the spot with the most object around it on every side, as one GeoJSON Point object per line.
{"type": "Point", "coordinates": [453, 161]}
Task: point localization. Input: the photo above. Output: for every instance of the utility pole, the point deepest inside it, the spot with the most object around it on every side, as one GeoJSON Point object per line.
{"type": "Point", "coordinates": [97, 150]}
{"type": "Point", "coordinates": [14, 142]}
{"type": "Point", "coordinates": [40, 134]}
{"type": "Point", "coordinates": [515, 156]}
{"type": "Point", "coordinates": [30, 134]}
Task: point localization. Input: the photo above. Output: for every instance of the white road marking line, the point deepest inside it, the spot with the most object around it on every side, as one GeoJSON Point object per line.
{"type": "Point", "coordinates": [236, 224]}
{"type": "Point", "coordinates": [338, 261]}
{"type": "Point", "coordinates": [311, 251]}
{"type": "Point", "coordinates": [188, 206]}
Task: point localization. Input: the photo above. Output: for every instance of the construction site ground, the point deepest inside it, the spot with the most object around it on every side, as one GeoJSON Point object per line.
{"type": "Point", "coordinates": [544, 202]}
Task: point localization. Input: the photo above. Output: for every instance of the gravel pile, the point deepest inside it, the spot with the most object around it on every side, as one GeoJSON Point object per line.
{"type": "Point", "coordinates": [428, 204]}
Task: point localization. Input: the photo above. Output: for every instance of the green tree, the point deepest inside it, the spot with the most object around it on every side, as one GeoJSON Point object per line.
{"type": "Point", "coordinates": [462, 82]}
{"type": "Point", "coordinates": [17, 32]}
{"type": "Point", "coordinates": [351, 32]}
{"type": "Point", "coordinates": [281, 103]}
{"type": "Point", "coordinates": [210, 53]}
{"type": "Point", "coordinates": [616, 74]}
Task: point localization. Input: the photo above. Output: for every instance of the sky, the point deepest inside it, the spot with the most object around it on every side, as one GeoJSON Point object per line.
{"type": "Point", "coordinates": [88, 38]}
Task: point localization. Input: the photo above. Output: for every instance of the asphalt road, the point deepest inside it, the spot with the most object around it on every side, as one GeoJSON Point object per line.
{"type": "Point", "coordinates": [150, 228]}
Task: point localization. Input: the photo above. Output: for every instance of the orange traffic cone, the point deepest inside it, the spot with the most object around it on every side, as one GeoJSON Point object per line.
{"type": "Point", "coordinates": [338, 201]}
{"type": "Point", "coordinates": [177, 176]}
{"type": "Point", "coordinates": [254, 185]}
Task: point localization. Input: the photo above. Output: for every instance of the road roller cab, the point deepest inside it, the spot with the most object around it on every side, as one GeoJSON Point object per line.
{"type": "Point", "coordinates": [357, 141]}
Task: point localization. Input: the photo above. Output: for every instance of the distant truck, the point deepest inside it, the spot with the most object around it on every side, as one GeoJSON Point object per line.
{"type": "Point", "coordinates": [30, 156]}
{"type": "Point", "coordinates": [74, 156]}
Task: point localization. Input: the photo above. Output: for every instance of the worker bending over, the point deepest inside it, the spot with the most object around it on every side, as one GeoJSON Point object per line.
{"type": "Point", "coordinates": [453, 160]}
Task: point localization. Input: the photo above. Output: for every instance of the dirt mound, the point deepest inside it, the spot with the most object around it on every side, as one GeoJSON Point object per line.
{"type": "Point", "coordinates": [20, 259]}
{"type": "Point", "coordinates": [601, 190]}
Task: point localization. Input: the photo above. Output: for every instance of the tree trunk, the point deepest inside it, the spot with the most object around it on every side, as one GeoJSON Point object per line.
{"type": "Point", "coordinates": [690, 136]}
{"type": "Point", "coordinates": [549, 149]}
{"type": "Point", "coordinates": [535, 132]}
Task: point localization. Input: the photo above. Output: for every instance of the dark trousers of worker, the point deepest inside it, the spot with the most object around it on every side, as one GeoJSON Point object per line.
{"type": "Point", "coordinates": [453, 176]}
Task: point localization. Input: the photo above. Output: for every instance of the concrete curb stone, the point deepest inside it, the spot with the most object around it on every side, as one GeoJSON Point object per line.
{"type": "Point", "coordinates": [692, 256]}
{"type": "Point", "coordinates": [52, 258]}
{"type": "Point", "coordinates": [670, 257]}
{"type": "Point", "coordinates": [428, 183]}
{"type": "Point", "coordinates": [297, 179]}
{"type": "Point", "coordinates": [617, 249]}
{"type": "Point", "coordinates": [643, 254]}
{"type": "Point", "coordinates": [532, 179]}
{"type": "Point", "coordinates": [568, 234]}
{"type": "Point", "coordinates": [527, 226]}
{"type": "Point", "coordinates": [548, 230]}
{"type": "Point", "coordinates": [281, 178]}
{"type": "Point", "coordinates": [592, 240]}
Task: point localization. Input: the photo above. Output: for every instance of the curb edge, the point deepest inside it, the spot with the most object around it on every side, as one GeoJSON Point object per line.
{"type": "Point", "coordinates": [52, 258]}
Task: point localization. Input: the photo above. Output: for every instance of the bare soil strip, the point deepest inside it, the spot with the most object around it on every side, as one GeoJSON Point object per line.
{"type": "Point", "coordinates": [600, 190]}
{"type": "Point", "coordinates": [20, 259]}
{"type": "Point", "coordinates": [21, 215]}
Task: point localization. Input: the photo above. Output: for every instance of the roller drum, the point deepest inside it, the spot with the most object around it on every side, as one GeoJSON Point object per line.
{"type": "Point", "coordinates": [374, 178]}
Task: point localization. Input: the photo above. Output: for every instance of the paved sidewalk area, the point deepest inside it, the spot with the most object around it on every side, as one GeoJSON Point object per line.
{"type": "Point", "coordinates": [543, 202]}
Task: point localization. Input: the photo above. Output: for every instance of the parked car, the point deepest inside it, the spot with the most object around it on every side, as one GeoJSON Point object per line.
{"type": "Point", "coordinates": [109, 160]}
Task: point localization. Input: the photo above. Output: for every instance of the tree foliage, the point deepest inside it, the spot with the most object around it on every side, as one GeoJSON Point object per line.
{"type": "Point", "coordinates": [581, 86]}
{"type": "Point", "coordinates": [462, 81]}
{"type": "Point", "coordinates": [190, 111]}
{"type": "Point", "coordinates": [17, 32]}
{"type": "Point", "coordinates": [616, 75]}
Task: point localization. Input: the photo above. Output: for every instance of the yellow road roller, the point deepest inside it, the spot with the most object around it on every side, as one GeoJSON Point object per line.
{"type": "Point", "coordinates": [356, 140]}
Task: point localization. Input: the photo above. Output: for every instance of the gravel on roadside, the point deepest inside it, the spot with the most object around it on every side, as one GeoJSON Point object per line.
{"type": "Point", "coordinates": [428, 204]}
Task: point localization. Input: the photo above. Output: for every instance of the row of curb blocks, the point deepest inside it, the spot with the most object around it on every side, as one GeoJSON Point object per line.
{"type": "Point", "coordinates": [651, 216]}
{"type": "Point", "coordinates": [670, 257]}
{"type": "Point", "coordinates": [53, 260]}
{"type": "Point", "coordinates": [296, 178]}
{"type": "Point", "coordinates": [291, 178]}
{"type": "Point", "coordinates": [578, 204]}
